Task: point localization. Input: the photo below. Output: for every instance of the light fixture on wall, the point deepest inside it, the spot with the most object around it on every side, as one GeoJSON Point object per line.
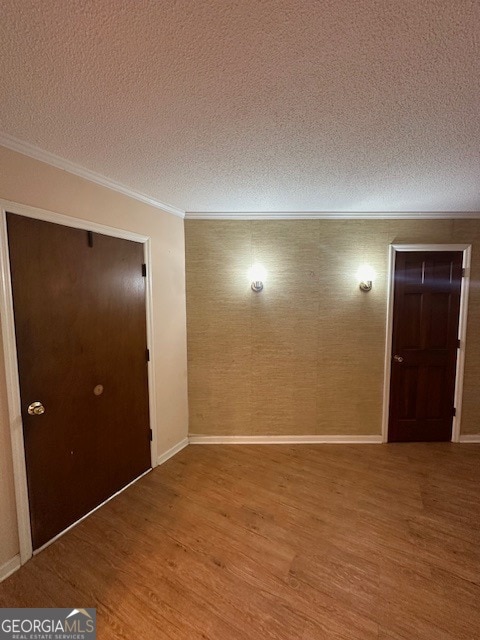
{"type": "Point", "coordinates": [257, 275]}
{"type": "Point", "coordinates": [366, 276]}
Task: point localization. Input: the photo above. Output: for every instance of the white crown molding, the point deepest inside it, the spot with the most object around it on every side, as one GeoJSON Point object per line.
{"type": "Point", "coordinates": [32, 151]}
{"type": "Point", "coordinates": [473, 438]}
{"type": "Point", "coordinates": [172, 451]}
{"type": "Point", "coordinates": [335, 215]}
{"type": "Point", "coordinates": [9, 567]}
{"type": "Point", "coordinates": [342, 439]}
{"type": "Point", "coordinates": [36, 153]}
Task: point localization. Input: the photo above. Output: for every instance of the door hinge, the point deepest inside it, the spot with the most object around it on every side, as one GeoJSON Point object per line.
{"type": "Point", "coordinates": [150, 435]}
{"type": "Point", "coordinates": [144, 270]}
{"type": "Point", "coordinates": [454, 412]}
{"type": "Point", "coordinates": [463, 272]}
{"type": "Point", "coordinates": [90, 238]}
{"type": "Point", "coordinates": [458, 343]}
{"type": "Point", "coordinates": [148, 355]}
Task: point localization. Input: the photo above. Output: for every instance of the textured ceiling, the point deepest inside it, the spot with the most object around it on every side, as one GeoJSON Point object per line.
{"type": "Point", "coordinates": [254, 105]}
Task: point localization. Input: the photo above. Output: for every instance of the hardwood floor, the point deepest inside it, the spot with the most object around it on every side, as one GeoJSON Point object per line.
{"type": "Point", "coordinates": [283, 542]}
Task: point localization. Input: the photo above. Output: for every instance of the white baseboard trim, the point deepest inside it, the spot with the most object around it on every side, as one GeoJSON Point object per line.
{"type": "Point", "coordinates": [197, 439]}
{"type": "Point", "coordinates": [172, 451]}
{"type": "Point", "coordinates": [473, 438]}
{"type": "Point", "coordinates": [10, 567]}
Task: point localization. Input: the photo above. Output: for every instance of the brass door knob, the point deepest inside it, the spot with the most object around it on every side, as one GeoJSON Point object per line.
{"type": "Point", "coordinates": [36, 409]}
{"type": "Point", "coordinates": [398, 358]}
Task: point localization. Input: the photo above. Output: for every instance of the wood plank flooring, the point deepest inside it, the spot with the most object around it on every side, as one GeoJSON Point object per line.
{"type": "Point", "coordinates": [371, 542]}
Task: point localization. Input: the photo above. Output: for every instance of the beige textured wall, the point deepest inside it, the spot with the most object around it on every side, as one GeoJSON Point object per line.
{"type": "Point", "coordinates": [306, 355]}
{"type": "Point", "coordinates": [27, 181]}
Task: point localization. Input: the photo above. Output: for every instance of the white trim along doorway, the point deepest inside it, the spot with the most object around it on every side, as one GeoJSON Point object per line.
{"type": "Point", "coordinates": [466, 249]}
{"type": "Point", "coordinates": [10, 351]}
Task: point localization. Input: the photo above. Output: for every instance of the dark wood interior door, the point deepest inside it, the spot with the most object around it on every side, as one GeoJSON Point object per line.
{"type": "Point", "coordinates": [424, 347]}
{"type": "Point", "coordinates": [80, 322]}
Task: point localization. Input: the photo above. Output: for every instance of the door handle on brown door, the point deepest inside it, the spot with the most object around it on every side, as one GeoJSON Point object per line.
{"type": "Point", "coordinates": [36, 409]}
{"type": "Point", "coordinates": [398, 358]}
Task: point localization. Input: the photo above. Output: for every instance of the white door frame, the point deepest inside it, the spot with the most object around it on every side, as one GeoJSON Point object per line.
{"type": "Point", "coordinates": [10, 350]}
{"type": "Point", "coordinates": [462, 328]}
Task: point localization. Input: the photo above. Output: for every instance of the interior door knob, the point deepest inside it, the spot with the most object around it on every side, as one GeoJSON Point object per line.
{"type": "Point", "coordinates": [36, 409]}
{"type": "Point", "coordinates": [398, 358]}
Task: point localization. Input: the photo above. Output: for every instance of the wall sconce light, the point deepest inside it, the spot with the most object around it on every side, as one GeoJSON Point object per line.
{"type": "Point", "coordinates": [366, 276]}
{"type": "Point", "coordinates": [257, 275]}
